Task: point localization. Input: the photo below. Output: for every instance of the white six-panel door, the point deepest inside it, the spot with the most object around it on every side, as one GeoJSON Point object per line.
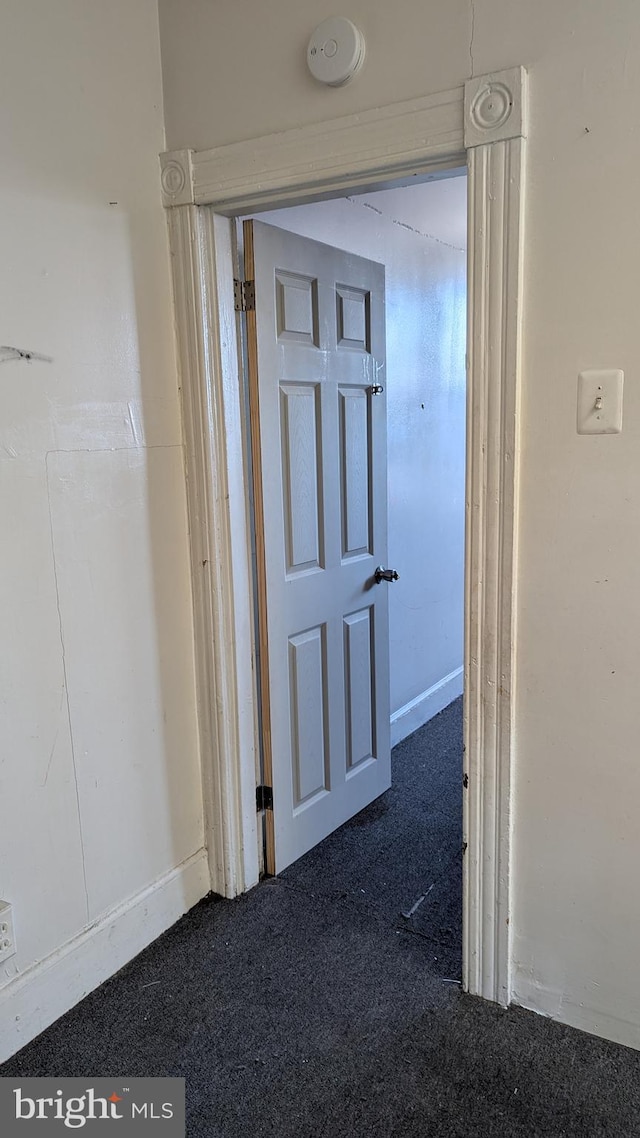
{"type": "Point", "coordinates": [316, 349]}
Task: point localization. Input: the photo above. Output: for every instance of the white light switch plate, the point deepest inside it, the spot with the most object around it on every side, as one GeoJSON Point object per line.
{"type": "Point", "coordinates": [600, 402]}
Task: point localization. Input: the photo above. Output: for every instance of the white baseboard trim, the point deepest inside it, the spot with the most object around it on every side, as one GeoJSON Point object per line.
{"type": "Point", "coordinates": [44, 992]}
{"type": "Point", "coordinates": [594, 1021]}
{"type": "Point", "coordinates": [420, 710]}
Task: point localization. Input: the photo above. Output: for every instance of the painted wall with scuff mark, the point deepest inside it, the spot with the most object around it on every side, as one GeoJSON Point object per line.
{"type": "Point", "coordinates": [99, 771]}
{"type": "Point", "coordinates": [233, 71]}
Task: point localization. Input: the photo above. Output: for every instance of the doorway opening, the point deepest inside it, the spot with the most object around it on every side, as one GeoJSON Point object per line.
{"type": "Point", "coordinates": [411, 837]}
{"type": "Point", "coordinates": [483, 125]}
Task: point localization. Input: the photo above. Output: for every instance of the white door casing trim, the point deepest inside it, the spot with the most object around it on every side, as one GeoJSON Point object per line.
{"type": "Point", "coordinates": [207, 354]}
{"type": "Point", "coordinates": [483, 125]}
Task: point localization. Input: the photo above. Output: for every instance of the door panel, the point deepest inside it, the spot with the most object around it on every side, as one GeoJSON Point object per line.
{"type": "Point", "coordinates": [358, 684]}
{"type": "Point", "coordinates": [297, 308]}
{"type": "Point", "coordinates": [353, 309]}
{"type": "Point", "coordinates": [355, 454]}
{"type": "Point", "coordinates": [316, 345]}
{"type": "Point", "coordinates": [301, 478]}
{"type": "Point", "coordinates": [309, 743]}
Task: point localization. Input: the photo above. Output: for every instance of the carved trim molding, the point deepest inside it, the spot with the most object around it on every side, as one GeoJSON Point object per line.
{"type": "Point", "coordinates": [176, 177]}
{"type": "Point", "coordinates": [495, 107]}
{"type": "Point", "coordinates": [218, 538]}
{"type": "Point", "coordinates": [356, 150]}
{"type": "Point", "coordinates": [495, 259]}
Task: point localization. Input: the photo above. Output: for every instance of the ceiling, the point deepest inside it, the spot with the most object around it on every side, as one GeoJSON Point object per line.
{"type": "Point", "coordinates": [436, 209]}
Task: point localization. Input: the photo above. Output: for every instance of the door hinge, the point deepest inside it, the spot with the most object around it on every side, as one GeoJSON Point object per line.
{"type": "Point", "coordinates": [264, 798]}
{"type": "Point", "coordinates": [244, 296]}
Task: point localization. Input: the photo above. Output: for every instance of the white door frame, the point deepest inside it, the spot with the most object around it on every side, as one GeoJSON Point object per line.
{"type": "Point", "coordinates": [482, 125]}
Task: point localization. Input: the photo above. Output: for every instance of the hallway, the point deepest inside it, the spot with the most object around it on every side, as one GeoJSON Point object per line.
{"type": "Point", "coordinates": [315, 1006]}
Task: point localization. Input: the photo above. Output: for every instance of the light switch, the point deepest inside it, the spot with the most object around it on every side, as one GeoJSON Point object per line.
{"type": "Point", "coordinates": [600, 402]}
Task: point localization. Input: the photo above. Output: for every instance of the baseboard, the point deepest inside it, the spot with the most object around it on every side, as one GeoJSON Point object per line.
{"type": "Point", "coordinates": [420, 710]}
{"type": "Point", "coordinates": [44, 992]}
{"type": "Point", "coordinates": [590, 1019]}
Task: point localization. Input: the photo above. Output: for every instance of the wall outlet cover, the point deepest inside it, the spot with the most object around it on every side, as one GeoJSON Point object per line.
{"type": "Point", "coordinates": [7, 935]}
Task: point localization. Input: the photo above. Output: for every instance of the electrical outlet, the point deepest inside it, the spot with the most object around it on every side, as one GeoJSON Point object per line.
{"type": "Point", "coordinates": [7, 937]}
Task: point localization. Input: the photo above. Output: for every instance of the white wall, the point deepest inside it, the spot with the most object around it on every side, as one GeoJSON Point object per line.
{"type": "Point", "coordinates": [100, 800]}
{"type": "Point", "coordinates": [419, 234]}
{"type": "Point", "coordinates": [234, 71]}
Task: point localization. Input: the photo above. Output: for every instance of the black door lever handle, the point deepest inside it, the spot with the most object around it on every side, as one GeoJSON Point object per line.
{"type": "Point", "coordinates": [382, 574]}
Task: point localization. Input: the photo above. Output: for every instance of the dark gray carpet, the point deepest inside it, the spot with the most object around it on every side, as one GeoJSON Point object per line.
{"type": "Point", "coordinates": [312, 1006]}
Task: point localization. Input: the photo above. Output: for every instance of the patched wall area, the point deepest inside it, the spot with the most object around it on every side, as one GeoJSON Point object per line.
{"type": "Point", "coordinates": [100, 797]}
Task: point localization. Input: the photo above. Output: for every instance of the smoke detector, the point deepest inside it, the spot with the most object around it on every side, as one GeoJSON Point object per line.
{"type": "Point", "coordinates": [336, 51]}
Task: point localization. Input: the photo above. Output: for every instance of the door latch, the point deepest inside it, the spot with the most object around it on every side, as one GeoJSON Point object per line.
{"type": "Point", "coordinates": [376, 389]}
{"type": "Point", "coordinates": [382, 574]}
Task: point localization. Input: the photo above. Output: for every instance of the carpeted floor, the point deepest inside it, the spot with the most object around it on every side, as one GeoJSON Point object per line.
{"type": "Point", "coordinates": [315, 1006]}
